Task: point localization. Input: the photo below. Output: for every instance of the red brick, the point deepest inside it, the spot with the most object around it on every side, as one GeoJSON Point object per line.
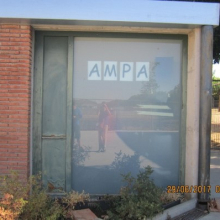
{"type": "Point", "coordinates": [5, 47]}
{"type": "Point", "coordinates": [10, 44]}
{"type": "Point", "coordinates": [9, 112]}
{"type": "Point", "coordinates": [2, 39]}
{"type": "Point", "coordinates": [9, 138]}
{"type": "Point", "coordinates": [4, 56]}
{"type": "Point", "coordinates": [15, 73]}
{"type": "Point", "coordinates": [18, 99]}
{"type": "Point", "coordinates": [24, 48]}
{"type": "Point", "coordinates": [3, 82]}
{"type": "Point", "coordinates": [29, 44]}
{"type": "Point", "coordinates": [3, 116]}
{"type": "Point", "coordinates": [14, 39]}
{"type": "Point", "coordinates": [9, 52]}
{"type": "Point", "coordinates": [25, 61]}
{"type": "Point", "coordinates": [23, 31]}
{"type": "Point", "coordinates": [27, 35]}
{"type": "Point", "coordinates": [3, 134]}
{"type": "Point", "coordinates": [17, 159]}
{"type": "Point", "coordinates": [11, 154]}
{"type": "Point", "coordinates": [10, 26]}
{"type": "Point", "coordinates": [8, 60]}
{"type": "Point", "coordinates": [4, 107]}
{"type": "Point", "coordinates": [17, 125]}
{"type": "Point", "coordinates": [20, 56]}
{"type": "Point", "coordinates": [8, 129]}
{"type": "Point", "coordinates": [9, 35]}
{"type": "Point", "coordinates": [4, 99]}
{"type": "Point", "coordinates": [24, 95]}
{"type": "Point", "coordinates": [17, 150]}
{"type": "Point", "coordinates": [3, 90]}
{"type": "Point", "coordinates": [9, 146]}
{"type": "Point", "coordinates": [14, 86]}
{"type": "Point", "coordinates": [17, 133]}
{"type": "Point", "coordinates": [18, 90]}
{"type": "Point", "coordinates": [4, 30]}
{"type": "Point", "coordinates": [17, 142]}
{"type": "Point", "coordinates": [25, 52]}
{"type": "Point", "coordinates": [20, 82]}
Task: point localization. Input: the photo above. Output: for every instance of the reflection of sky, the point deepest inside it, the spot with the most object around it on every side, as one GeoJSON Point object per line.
{"type": "Point", "coordinates": [165, 75]}
{"type": "Point", "coordinates": [166, 54]}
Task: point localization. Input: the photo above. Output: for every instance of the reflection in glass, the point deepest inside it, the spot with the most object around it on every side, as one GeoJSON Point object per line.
{"type": "Point", "coordinates": [125, 124]}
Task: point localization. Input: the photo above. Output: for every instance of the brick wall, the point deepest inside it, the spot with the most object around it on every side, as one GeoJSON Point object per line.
{"type": "Point", "coordinates": [15, 95]}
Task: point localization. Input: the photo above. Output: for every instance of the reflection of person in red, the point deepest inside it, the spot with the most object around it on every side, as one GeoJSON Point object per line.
{"type": "Point", "coordinates": [103, 115]}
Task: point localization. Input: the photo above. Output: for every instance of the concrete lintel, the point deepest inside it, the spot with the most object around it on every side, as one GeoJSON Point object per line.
{"type": "Point", "coordinates": [125, 11]}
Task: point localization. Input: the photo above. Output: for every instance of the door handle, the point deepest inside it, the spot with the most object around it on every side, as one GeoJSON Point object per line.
{"type": "Point", "coordinates": [53, 136]}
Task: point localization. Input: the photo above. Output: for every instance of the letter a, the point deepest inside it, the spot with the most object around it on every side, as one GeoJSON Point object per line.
{"type": "Point", "coordinates": [94, 68]}
{"type": "Point", "coordinates": [142, 71]}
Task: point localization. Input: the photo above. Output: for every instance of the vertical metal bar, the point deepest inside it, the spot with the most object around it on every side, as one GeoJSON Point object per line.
{"type": "Point", "coordinates": [205, 111]}
{"type": "Point", "coordinates": [219, 103]}
{"type": "Point", "coordinates": [37, 102]}
{"type": "Point", "coordinates": [69, 113]}
{"type": "Point", "coordinates": [183, 113]}
{"type": "Point", "coordinates": [32, 102]}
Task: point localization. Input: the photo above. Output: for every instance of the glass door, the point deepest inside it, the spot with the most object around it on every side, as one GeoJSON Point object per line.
{"type": "Point", "coordinates": [127, 97]}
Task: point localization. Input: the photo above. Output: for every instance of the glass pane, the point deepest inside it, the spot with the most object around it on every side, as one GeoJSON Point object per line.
{"type": "Point", "coordinates": [127, 104]}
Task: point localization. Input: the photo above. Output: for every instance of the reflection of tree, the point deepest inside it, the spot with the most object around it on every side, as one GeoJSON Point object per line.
{"type": "Point", "coordinates": [124, 163]}
{"type": "Point", "coordinates": [174, 100]}
{"type": "Point", "coordinates": [80, 154]}
{"type": "Point", "coordinates": [148, 90]}
{"type": "Point", "coordinates": [150, 87]}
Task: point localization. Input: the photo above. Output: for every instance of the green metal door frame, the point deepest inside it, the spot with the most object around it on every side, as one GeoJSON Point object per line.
{"type": "Point", "coordinates": [37, 110]}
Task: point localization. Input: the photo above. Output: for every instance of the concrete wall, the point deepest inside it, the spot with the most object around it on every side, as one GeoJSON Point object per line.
{"type": "Point", "coordinates": [193, 102]}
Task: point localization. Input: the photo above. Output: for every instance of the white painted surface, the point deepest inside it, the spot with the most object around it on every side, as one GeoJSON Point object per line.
{"type": "Point", "coordinates": [153, 12]}
{"type": "Point", "coordinates": [177, 210]}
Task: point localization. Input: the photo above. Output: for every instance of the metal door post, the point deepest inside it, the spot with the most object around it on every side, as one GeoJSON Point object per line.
{"type": "Point", "coordinates": [205, 111]}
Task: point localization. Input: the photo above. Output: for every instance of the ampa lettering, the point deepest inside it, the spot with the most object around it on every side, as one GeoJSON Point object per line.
{"type": "Point", "coordinates": [123, 71]}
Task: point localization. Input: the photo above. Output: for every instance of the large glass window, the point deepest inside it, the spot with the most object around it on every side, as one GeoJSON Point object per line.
{"type": "Point", "coordinates": [126, 113]}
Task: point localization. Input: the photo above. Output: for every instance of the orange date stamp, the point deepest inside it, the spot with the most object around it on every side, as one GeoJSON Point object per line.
{"type": "Point", "coordinates": [188, 189]}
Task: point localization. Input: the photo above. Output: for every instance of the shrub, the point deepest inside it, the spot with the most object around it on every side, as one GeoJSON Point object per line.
{"type": "Point", "coordinates": [29, 201]}
{"type": "Point", "coordinates": [139, 199]}
{"type": "Point", "coordinates": [14, 193]}
{"type": "Point", "coordinates": [170, 197]}
{"type": "Point", "coordinates": [10, 208]}
{"type": "Point", "coordinates": [70, 201]}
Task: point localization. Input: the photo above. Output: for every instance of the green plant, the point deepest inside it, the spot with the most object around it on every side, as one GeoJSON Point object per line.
{"type": "Point", "coordinates": [42, 206]}
{"type": "Point", "coordinates": [27, 200]}
{"type": "Point", "coordinates": [170, 197]}
{"type": "Point", "coordinates": [14, 195]}
{"type": "Point", "coordinates": [138, 200]}
{"type": "Point", "coordinates": [10, 208]}
{"type": "Point", "coordinates": [71, 199]}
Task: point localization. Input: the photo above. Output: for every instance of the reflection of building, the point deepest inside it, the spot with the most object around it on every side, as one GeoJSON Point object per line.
{"type": "Point", "coordinates": [147, 124]}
